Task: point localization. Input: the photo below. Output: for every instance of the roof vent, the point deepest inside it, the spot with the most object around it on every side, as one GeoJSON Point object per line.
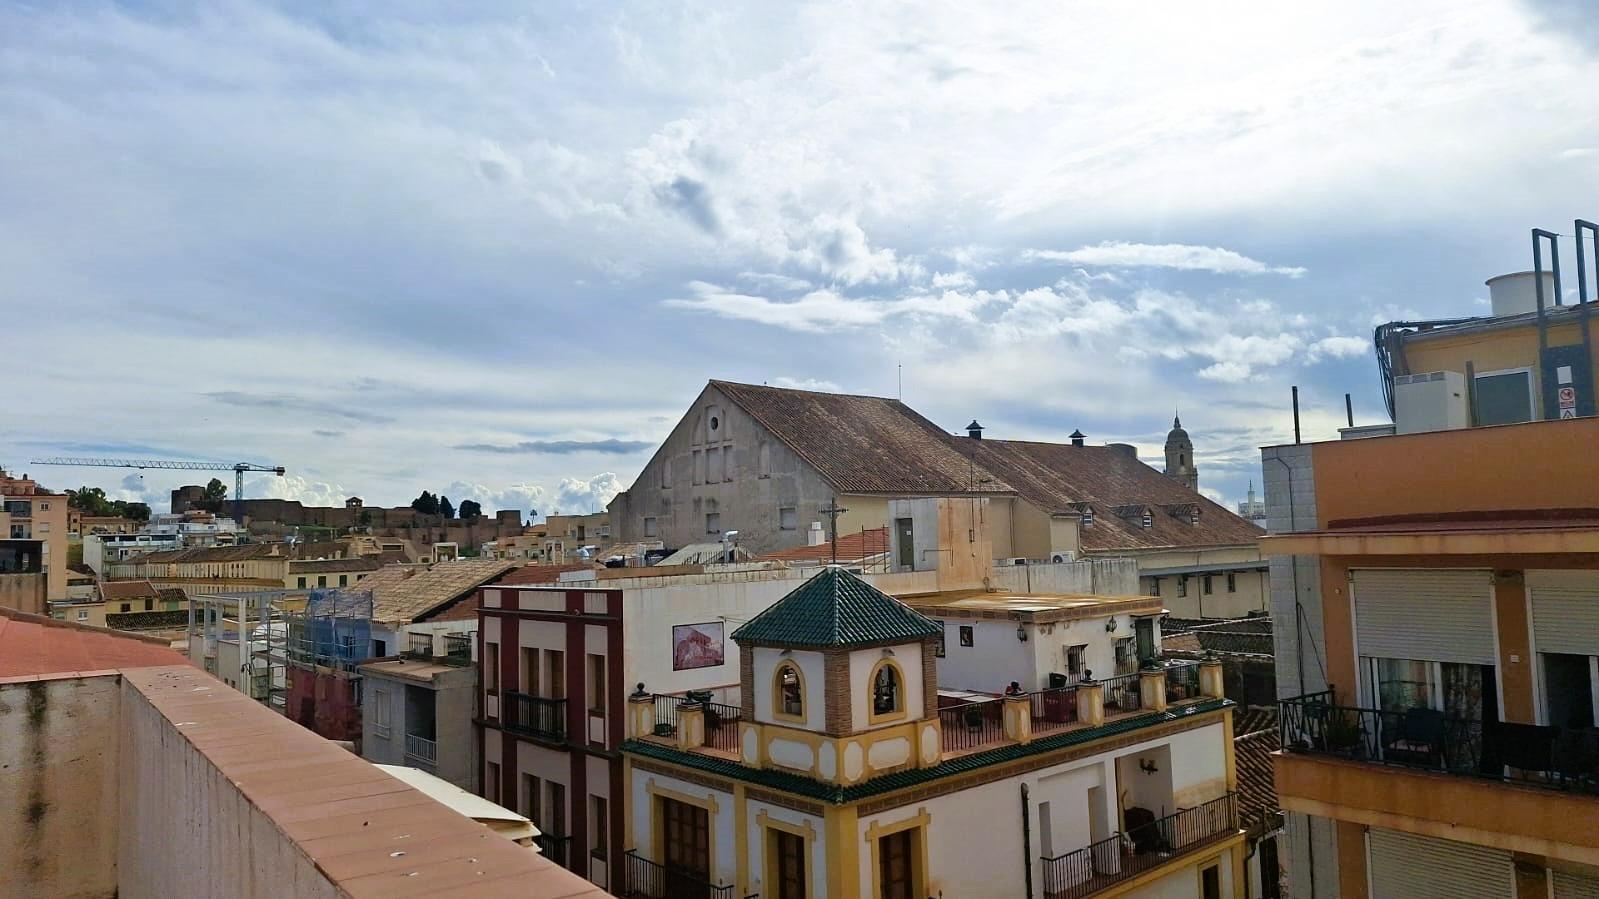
{"type": "Point", "coordinates": [974, 430]}
{"type": "Point", "coordinates": [1078, 437]}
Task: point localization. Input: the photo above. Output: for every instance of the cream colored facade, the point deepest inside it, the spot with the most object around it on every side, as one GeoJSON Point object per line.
{"type": "Point", "coordinates": [29, 518]}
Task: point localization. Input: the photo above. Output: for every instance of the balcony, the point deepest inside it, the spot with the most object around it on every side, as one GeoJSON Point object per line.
{"type": "Point", "coordinates": [721, 719]}
{"type": "Point", "coordinates": [457, 650]}
{"type": "Point", "coordinates": [534, 716]}
{"type": "Point", "coordinates": [1141, 848]}
{"type": "Point", "coordinates": [1554, 758]}
{"type": "Point", "coordinates": [420, 752]}
{"type": "Point", "coordinates": [419, 647]}
{"type": "Point", "coordinates": [644, 879]}
{"type": "Point", "coordinates": [555, 847]}
{"type": "Point", "coordinates": [970, 726]}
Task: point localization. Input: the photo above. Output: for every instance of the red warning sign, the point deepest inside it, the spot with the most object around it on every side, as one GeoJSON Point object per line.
{"type": "Point", "coordinates": [1568, 397]}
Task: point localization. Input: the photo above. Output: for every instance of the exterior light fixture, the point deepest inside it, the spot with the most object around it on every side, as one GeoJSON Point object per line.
{"type": "Point", "coordinates": [1148, 766]}
{"type": "Point", "coordinates": [1021, 632]}
{"type": "Point", "coordinates": [1110, 624]}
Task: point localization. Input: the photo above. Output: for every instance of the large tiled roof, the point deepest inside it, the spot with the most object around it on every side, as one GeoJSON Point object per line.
{"type": "Point", "coordinates": [863, 444]}
{"type": "Point", "coordinates": [110, 590]}
{"type": "Point", "coordinates": [836, 608]}
{"type": "Point", "coordinates": [37, 646]}
{"type": "Point", "coordinates": [1257, 787]}
{"type": "Point", "coordinates": [541, 574]}
{"type": "Point", "coordinates": [410, 592]}
{"type": "Point", "coordinates": [360, 563]}
{"type": "Point", "coordinates": [856, 546]}
{"type": "Point", "coordinates": [240, 553]}
{"type": "Point", "coordinates": [1057, 477]}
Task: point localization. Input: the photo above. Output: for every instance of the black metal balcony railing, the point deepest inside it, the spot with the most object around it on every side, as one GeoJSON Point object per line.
{"type": "Point", "coordinates": [419, 647]}
{"type": "Point", "coordinates": [1053, 710]}
{"type": "Point", "coordinates": [721, 726]}
{"type": "Point", "coordinates": [1182, 681]}
{"type": "Point", "coordinates": [972, 724]}
{"type": "Point", "coordinates": [1141, 847]}
{"type": "Point", "coordinates": [1544, 756]}
{"type": "Point", "coordinates": [533, 715]}
{"type": "Point", "coordinates": [457, 649]}
{"type": "Point", "coordinates": [1122, 693]}
{"type": "Point", "coordinates": [555, 847]}
{"type": "Point", "coordinates": [644, 879]}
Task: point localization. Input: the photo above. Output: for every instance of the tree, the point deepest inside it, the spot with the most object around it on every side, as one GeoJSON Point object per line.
{"type": "Point", "coordinates": [134, 511]}
{"type": "Point", "coordinates": [427, 504]}
{"type": "Point", "coordinates": [216, 494]}
{"type": "Point", "coordinates": [90, 501]}
{"type": "Point", "coordinates": [469, 509]}
{"type": "Point", "coordinates": [445, 508]}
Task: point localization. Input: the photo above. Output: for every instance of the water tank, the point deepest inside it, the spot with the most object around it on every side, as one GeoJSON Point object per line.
{"type": "Point", "coordinates": [1517, 292]}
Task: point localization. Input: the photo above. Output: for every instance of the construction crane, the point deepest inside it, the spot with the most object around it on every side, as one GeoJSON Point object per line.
{"type": "Point", "coordinates": [238, 469]}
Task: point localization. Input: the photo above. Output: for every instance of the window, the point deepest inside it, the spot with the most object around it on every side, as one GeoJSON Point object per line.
{"type": "Point", "coordinates": [555, 673]}
{"type": "Point", "coordinates": [713, 465]}
{"type": "Point", "coordinates": [530, 671]}
{"type": "Point", "coordinates": [787, 852]}
{"type": "Point", "coordinates": [787, 518]}
{"type": "Point", "coordinates": [530, 798]}
{"type": "Point", "coordinates": [44, 507]}
{"type": "Point", "coordinates": [1126, 656]}
{"type": "Point", "coordinates": [83, 614]}
{"type": "Point", "coordinates": [966, 635]}
{"type": "Point", "coordinates": [666, 473]}
{"type": "Point", "coordinates": [127, 607]}
{"type": "Point", "coordinates": [599, 826]}
{"type": "Point", "coordinates": [938, 642]}
{"type": "Point", "coordinates": [380, 711]}
{"type": "Point", "coordinates": [713, 523]}
{"type": "Point", "coordinates": [1503, 397]}
{"type": "Point", "coordinates": [1210, 882]}
{"type": "Point", "coordinates": [149, 604]}
{"type": "Point", "coordinates": [905, 543]}
{"type": "Point", "coordinates": [886, 690]}
{"type": "Point", "coordinates": [556, 810]}
{"type": "Point", "coordinates": [321, 580]}
{"type": "Point", "coordinates": [491, 667]}
{"type": "Point", "coordinates": [766, 460]}
{"type": "Point", "coordinates": [649, 527]}
{"type": "Point", "coordinates": [1232, 582]}
{"type": "Point", "coordinates": [699, 467]}
{"type": "Point", "coordinates": [596, 684]}
{"type": "Point", "coordinates": [302, 583]}
{"type": "Point", "coordinates": [344, 580]}
{"type": "Point", "coordinates": [1205, 585]}
{"type": "Point", "coordinates": [1182, 585]}
{"type": "Point", "coordinates": [790, 691]}
{"type": "Point", "coordinates": [1154, 586]}
{"type": "Point", "coordinates": [380, 648]}
{"type": "Point", "coordinates": [491, 782]}
{"type": "Point", "coordinates": [1075, 656]}
{"type": "Point", "coordinates": [44, 527]}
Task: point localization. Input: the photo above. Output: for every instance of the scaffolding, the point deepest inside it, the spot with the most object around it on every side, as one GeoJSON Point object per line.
{"type": "Point", "coordinates": [217, 620]}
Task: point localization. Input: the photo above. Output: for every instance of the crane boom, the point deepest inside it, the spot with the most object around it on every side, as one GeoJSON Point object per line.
{"type": "Point", "coordinates": [238, 469]}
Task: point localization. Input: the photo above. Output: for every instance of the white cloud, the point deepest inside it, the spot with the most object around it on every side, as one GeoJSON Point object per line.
{"type": "Point", "coordinates": [775, 282]}
{"type": "Point", "coordinates": [813, 384]}
{"type": "Point", "coordinates": [1120, 254]}
{"type": "Point", "coordinates": [293, 486]}
{"type": "Point", "coordinates": [1341, 347]}
{"type": "Point", "coordinates": [954, 280]}
{"type": "Point", "coordinates": [583, 495]}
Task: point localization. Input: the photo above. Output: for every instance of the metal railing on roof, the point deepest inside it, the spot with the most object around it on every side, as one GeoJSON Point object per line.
{"type": "Point", "coordinates": [1141, 847]}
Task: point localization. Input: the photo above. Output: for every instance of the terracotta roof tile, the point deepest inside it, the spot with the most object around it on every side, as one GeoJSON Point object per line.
{"type": "Point", "coordinates": [410, 592]}
{"type": "Point", "coordinates": [858, 546]}
{"type": "Point", "coordinates": [128, 590]}
{"type": "Point", "coordinates": [34, 645]}
{"type": "Point", "coordinates": [1257, 788]}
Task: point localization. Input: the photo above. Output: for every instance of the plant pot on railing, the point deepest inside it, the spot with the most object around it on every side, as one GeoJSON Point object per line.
{"type": "Point", "coordinates": [1342, 732]}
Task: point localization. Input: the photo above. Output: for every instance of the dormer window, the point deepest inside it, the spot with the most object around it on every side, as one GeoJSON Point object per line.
{"type": "Point", "coordinates": [887, 694]}
{"type": "Point", "coordinates": [790, 691]}
{"type": "Point", "coordinates": [1148, 519]}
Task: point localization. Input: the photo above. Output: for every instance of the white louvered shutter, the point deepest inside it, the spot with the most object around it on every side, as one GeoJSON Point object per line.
{"type": "Point", "coordinates": [1405, 866]}
{"type": "Point", "coordinates": [1565, 611]}
{"type": "Point", "coordinates": [1432, 615]}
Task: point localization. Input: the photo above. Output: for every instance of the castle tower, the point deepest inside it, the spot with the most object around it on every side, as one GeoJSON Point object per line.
{"type": "Point", "coordinates": [1180, 465]}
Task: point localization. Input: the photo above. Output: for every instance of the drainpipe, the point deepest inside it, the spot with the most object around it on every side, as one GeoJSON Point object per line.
{"type": "Point", "coordinates": [1027, 843]}
{"type": "Point", "coordinates": [1299, 651]}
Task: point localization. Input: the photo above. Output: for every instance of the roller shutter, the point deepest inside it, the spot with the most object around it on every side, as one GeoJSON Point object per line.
{"type": "Point", "coordinates": [1436, 616]}
{"type": "Point", "coordinates": [1573, 886]}
{"type": "Point", "coordinates": [1404, 866]}
{"type": "Point", "coordinates": [1565, 611]}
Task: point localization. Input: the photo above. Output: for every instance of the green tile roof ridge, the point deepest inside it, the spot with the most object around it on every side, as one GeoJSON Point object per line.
{"type": "Point", "coordinates": [836, 608]}
{"type": "Point", "coordinates": [811, 788]}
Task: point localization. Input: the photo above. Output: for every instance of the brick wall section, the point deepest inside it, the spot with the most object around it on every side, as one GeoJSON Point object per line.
{"type": "Point", "coordinates": [929, 678]}
{"type": "Point", "coordinates": [835, 686]}
{"type": "Point", "coordinates": [746, 681]}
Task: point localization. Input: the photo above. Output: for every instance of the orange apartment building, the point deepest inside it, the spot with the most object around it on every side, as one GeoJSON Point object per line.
{"type": "Point", "coordinates": [33, 544]}
{"type": "Point", "coordinates": [1437, 593]}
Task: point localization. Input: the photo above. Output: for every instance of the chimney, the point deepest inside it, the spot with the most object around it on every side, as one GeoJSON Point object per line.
{"type": "Point", "coordinates": [1078, 437]}
{"type": "Point", "coordinates": [974, 430]}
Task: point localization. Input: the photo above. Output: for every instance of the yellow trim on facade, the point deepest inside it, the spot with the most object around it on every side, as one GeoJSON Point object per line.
{"type": "Point", "coordinates": [1232, 762]}
{"type": "Point", "coordinates": [921, 821]}
{"type": "Point", "coordinates": [658, 826]}
{"type": "Point", "coordinates": [741, 836]}
{"type": "Point", "coordinates": [806, 831]}
{"type": "Point", "coordinates": [899, 713]}
{"type": "Point", "coordinates": [777, 693]}
{"type": "Point", "coordinates": [843, 850]}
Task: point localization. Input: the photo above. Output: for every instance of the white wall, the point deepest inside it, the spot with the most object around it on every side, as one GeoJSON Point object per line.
{"type": "Point", "coordinates": [755, 840]}
{"type": "Point", "coordinates": [861, 662]}
{"type": "Point", "coordinates": [996, 657]}
{"type": "Point", "coordinates": [810, 666]}
{"type": "Point", "coordinates": [723, 853]}
{"type": "Point", "coordinates": [1101, 577]}
{"type": "Point", "coordinates": [650, 612]}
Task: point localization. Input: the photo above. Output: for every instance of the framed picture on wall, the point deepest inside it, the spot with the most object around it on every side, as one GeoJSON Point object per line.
{"type": "Point", "coordinates": [697, 645]}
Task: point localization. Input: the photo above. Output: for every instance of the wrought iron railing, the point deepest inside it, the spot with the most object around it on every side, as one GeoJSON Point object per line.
{"type": "Point", "coordinates": [973, 724]}
{"type": "Point", "coordinates": [533, 715]}
{"type": "Point", "coordinates": [1053, 709]}
{"type": "Point", "coordinates": [457, 649]}
{"type": "Point", "coordinates": [1182, 681]}
{"type": "Point", "coordinates": [422, 750]}
{"type": "Point", "coordinates": [644, 879]}
{"type": "Point", "coordinates": [1122, 693]}
{"type": "Point", "coordinates": [721, 726]}
{"type": "Point", "coordinates": [555, 847]}
{"type": "Point", "coordinates": [1138, 849]}
{"type": "Point", "coordinates": [419, 647]}
{"type": "Point", "coordinates": [1545, 756]}
{"type": "Point", "coordinates": [666, 714]}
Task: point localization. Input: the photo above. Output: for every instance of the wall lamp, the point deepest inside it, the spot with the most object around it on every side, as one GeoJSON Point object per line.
{"type": "Point", "coordinates": [1148, 766]}
{"type": "Point", "coordinates": [1021, 632]}
{"type": "Point", "coordinates": [1110, 624]}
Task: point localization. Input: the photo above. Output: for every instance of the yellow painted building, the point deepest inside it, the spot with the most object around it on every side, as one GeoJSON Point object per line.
{"type": "Point", "coordinates": [33, 541]}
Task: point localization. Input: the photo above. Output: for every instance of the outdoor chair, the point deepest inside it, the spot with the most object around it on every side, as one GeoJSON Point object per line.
{"type": "Point", "coordinates": [1419, 738]}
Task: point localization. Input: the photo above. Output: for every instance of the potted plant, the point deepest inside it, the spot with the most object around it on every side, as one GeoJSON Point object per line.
{"type": "Point", "coordinates": [1342, 731]}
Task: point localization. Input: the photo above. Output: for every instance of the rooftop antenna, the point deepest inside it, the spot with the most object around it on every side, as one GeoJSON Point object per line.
{"type": "Point", "coordinates": [832, 512]}
{"type": "Point", "coordinates": [899, 373]}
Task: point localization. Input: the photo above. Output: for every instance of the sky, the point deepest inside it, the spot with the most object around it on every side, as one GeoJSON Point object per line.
{"type": "Point", "coordinates": [494, 250]}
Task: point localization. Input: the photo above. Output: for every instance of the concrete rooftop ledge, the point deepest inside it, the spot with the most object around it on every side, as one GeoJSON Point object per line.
{"type": "Point", "coordinates": [189, 788]}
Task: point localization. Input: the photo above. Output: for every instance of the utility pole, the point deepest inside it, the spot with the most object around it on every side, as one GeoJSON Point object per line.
{"type": "Point", "coordinates": [832, 512]}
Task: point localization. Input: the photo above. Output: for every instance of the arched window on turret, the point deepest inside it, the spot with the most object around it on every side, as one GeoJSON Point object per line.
{"type": "Point", "coordinates": [887, 690]}
{"type": "Point", "coordinates": [790, 691]}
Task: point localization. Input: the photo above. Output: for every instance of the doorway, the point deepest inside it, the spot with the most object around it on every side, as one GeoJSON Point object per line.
{"type": "Point", "coordinates": [905, 544]}
{"type": "Point", "coordinates": [685, 849]}
{"type": "Point", "coordinates": [788, 864]}
{"type": "Point", "coordinates": [896, 868]}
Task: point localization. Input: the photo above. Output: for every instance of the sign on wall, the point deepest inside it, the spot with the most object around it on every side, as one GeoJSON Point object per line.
{"type": "Point", "coordinates": [696, 645]}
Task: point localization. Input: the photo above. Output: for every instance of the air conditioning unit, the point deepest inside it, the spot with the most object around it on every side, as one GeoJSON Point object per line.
{"type": "Point", "coordinates": [1015, 560]}
{"type": "Point", "coordinates": [1431, 401]}
{"type": "Point", "coordinates": [1058, 558]}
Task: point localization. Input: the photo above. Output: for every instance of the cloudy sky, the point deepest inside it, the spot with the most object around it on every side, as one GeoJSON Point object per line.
{"type": "Point", "coordinates": [496, 251]}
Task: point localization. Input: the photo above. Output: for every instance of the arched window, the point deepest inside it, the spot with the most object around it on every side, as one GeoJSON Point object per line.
{"type": "Point", "coordinates": [790, 691]}
{"type": "Point", "coordinates": [887, 691]}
